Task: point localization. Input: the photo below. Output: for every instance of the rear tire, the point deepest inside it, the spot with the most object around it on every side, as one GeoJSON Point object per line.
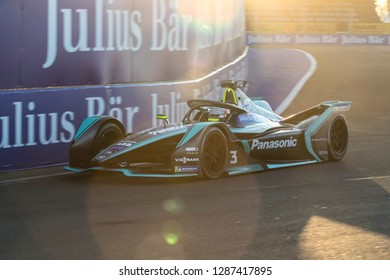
{"type": "Point", "coordinates": [338, 139]}
{"type": "Point", "coordinates": [213, 153]}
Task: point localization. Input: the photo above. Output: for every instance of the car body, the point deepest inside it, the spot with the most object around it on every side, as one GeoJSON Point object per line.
{"type": "Point", "coordinates": [232, 136]}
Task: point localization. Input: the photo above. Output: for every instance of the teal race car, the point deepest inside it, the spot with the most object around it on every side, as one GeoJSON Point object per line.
{"type": "Point", "coordinates": [234, 135]}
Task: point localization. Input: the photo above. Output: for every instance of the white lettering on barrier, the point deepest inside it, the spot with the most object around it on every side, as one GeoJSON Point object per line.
{"type": "Point", "coordinates": [319, 39]}
{"type": "Point", "coordinates": [174, 109]}
{"type": "Point", "coordinates": [307, 39]}
{"type": "Point", "coordinates": [31, 128]}
{"type": "Point", "coordinates": [51, 128]}
{"type": "Point", "coordinates": [96, 106]}
{"type": "Point", "coordinates": [121, 28]}
{"type": "Point", "coordinates": [376, 40]}
{"type": "Point", "coordinates": [117, 30]}
{"type": "Point", "coordinates": [172, 35]}
{"type": "Point", "coordinates": [282, 39]}
{"type": "Point", "coordinates": [329, 39]}
{"type": "Point", "coordinates": [260, 38]}
{"type": "Point", "coordinates": [354, 40]}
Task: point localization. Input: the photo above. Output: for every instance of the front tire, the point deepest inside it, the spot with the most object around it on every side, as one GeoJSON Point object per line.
{"type": "Point", "coordinates": [108, 134]}
{"type": "Point", "coordinates": [94, 141]}
{"type": "Point", "coordinates": [213, 153]}
{"type": "Point", "coordinates": [338, 139]}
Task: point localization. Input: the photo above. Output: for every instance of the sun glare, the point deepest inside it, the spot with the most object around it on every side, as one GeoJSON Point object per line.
{"type": "Point", "coordinates": [382, 9]}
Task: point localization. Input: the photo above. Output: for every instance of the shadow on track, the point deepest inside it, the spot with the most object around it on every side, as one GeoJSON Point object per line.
{"type": "Point", "coordinates": [45, 220]}
{"type": "Point", "coordinates": [323, 217]}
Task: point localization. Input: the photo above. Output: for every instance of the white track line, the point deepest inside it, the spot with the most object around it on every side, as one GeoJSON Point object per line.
{"type": "Point", "coordinates": [18, 180]}
{"type": "Point", "coordinates": [313, 66]}
{"type": "Point", "coordinates": [369, 178]}
{"type": "Point", "coordinates": [382, 181]}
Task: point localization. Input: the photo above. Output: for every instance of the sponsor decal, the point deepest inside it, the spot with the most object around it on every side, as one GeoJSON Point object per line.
{"type": "Point", "coordinates": [186, 159]}
{"type": "Point", "coordinates": [319, 140]}
{"type": "Point", "coordinates": [184, 169]}
{"type": "Point", "coordinates": [342, 107]}
{"type": "Point", "coordinates": [274, 144]}
{"type": "Point", "coordinates": [192, 149]}
{"type": "Point", "coordinates": [115, 148]}
{"type": "Point", "coordinates": [126, 143]}
{"type": "Point", "coordinates": [162, 131]}
{"type": "Point", "coordinates": [101, 157]}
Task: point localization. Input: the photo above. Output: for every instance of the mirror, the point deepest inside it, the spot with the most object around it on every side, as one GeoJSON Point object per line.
{"type": "Point", "coordinates": [164, 118]}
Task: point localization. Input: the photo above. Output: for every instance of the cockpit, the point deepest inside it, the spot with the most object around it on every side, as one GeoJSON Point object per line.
{"type": "Point", "coordinates": [220, 114]}
{"type": "Point", "coordinates": [241, 120]}
{"type": "Point", "coordinates": [234, 108]}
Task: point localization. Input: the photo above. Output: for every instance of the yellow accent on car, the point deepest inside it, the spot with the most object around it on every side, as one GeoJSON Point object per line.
{"type": "Point", "coordinates": [161, 117]}
{"type": "Point", "coordinates": [229, 96]}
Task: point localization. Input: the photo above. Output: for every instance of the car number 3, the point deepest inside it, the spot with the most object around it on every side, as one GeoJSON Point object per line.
{"type": "Point", "coordinates": [233, 157]}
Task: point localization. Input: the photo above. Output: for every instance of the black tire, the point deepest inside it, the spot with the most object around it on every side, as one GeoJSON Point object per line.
{"type": "Point", "coordinates": [95, 141]}
{"type": "Point", "coordinates": [213, 153]}
{"type": "Point", "coordinates": [338, 139]}
{"type": "Point", "coordinates": [108, 134]}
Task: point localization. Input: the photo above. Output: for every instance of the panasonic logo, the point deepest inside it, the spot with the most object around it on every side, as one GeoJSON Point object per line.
{"type": "Point", "coordinates": [275, 144]}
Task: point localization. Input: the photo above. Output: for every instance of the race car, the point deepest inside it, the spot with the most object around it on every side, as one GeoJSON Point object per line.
{"type": "Point", "coordinates": [234, 135]}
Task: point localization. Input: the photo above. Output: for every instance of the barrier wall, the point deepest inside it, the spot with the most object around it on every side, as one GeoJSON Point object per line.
{"type": "Point", "coordinates": [332, 22]}
{"type": "Point", "coordinates": [73, 42]}
{"type": "Point", "coordinates": [324, 39]}
{"type": "Point", "coordinates": [304, 15]}
{"type": "Point", "coordinates": [64, 60]}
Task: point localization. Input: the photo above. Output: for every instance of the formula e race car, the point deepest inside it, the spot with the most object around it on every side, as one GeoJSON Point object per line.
{"type": "Point", "coordinates": [232, 136]}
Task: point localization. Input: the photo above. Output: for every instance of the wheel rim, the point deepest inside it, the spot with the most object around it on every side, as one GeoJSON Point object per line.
{"type": "Point", "coordinates": [214, 154]}
{"type": "Point", "coordinates": [339, 136]}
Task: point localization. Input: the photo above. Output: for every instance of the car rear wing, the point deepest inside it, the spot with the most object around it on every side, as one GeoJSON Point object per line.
{"type": "Point", "coordinates": [233, 84]}
{"type": "Point", "coordinates": [330, 106]}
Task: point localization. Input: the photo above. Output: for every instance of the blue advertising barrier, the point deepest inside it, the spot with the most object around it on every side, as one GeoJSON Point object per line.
{"type": "Point", "coordinates": [93, 42]}
{"type": "Point", "coordinates": [324, 39]}
{"type": "Point", "coordinates": [37, 126]}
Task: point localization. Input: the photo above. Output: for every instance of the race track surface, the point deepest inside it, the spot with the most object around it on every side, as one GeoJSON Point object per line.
{"type": "Point", "coordinates": [338, 210]}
